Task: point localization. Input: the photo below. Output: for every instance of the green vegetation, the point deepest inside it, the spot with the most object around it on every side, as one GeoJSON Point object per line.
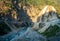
{"type": "Point", "coordinates": [5, 5]}
{"type": "Point", "coordinates": [35, 2]}
{"type": "Point", "coordinates": [38, 3]}
{"type": "Point", "coordinates": [41, 3]}
{"type": "Point", "coordinates": [51, 31]}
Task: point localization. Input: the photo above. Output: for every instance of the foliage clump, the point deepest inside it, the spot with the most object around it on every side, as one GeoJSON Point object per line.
{"type": "Point", "coordinates": [51, 31]}
{"type": "Point", "coordinates": [5, 5]}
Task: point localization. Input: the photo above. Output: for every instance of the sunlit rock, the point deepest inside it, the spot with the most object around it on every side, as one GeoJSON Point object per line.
{"type": "Point", "coordinates": [48, 16]}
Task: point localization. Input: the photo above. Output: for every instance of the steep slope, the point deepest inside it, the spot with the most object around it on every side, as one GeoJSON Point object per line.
{"type": "Point", "coordinates": [48, 16]}
{"type": "Point", "coordinates": [29, 35]}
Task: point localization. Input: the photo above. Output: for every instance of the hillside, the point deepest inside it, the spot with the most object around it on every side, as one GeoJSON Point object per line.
{"type": "Point", "coordinates": [41, 3]}
{"type": "Point", "coordinates": [29, 20]}
{"type": "Point", "coordinates": [31, 7]}
{"type": "Point", "coordinates": [6, 4]}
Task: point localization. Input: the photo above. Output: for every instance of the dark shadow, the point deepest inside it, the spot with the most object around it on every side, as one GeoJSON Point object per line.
{"type": "Point", "coordinates": [21, 13]}
{"type": "Point", "coordinates": [4, 29]}
{"type": "Point", "coordinates": [21, 17]}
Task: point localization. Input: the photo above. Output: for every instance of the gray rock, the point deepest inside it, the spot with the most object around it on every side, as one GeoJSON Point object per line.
{"type": "Point", "coordinates": [29, 35]}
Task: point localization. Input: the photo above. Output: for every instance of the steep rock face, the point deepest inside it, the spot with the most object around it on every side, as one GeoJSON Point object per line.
{"type": "Point", "coordinates": [23, 35]}
{"type": "Point", "coordinates": [48, 16]}
{"type": "Point", "coordinates": [29, 35]}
